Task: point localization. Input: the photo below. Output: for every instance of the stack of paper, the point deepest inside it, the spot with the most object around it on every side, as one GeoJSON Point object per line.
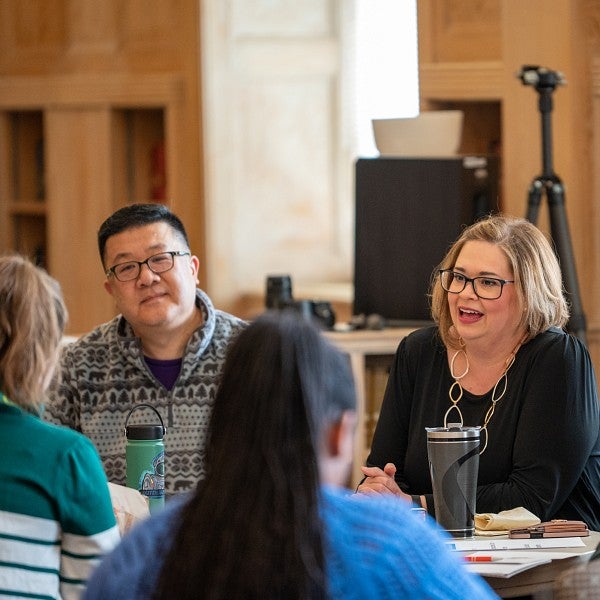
{"type": "Point", "coordinates": [507, 557]}
{"type": "Point", "coordinates": [473, 545]}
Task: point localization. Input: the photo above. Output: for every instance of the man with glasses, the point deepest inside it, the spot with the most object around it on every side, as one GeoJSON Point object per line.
{"type": "Point", "coordinates": [166, 348]}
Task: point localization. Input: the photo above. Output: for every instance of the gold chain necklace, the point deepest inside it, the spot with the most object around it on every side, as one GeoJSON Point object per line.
{"type": "Point", "coordinates": [457, 390]}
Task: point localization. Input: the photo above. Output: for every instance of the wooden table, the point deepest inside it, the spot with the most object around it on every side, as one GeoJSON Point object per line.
{"type": "Point", "coordinates": [358, 345]}
{"type": "Point", "coordinates": [539, 581]}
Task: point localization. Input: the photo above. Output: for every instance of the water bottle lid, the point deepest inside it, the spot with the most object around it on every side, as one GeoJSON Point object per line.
{"type": "Point", "coordinates": [144, 431]}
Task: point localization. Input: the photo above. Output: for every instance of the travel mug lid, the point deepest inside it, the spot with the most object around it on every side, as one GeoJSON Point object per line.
{"type": "Point", "coordinates": [453, 431]}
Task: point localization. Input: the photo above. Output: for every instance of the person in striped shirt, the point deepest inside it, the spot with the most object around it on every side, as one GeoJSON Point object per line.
{"type": "Point", "coordinates": [56, 517]}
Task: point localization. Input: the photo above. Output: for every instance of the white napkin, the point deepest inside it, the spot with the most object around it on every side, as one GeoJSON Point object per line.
{"type": "Point", "coordinates": [500, 523]}
{"type": "Point", "coordinates": [129, 506]}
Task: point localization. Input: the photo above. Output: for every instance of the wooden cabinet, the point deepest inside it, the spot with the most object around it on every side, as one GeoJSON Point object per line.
{"type": "Point", "coordinates": [99, 158]}
{"type": "Point", "coordinates": [460, 67]}
{"type": "Point", "coordinates": [23, 187]}
{"type": "Point", "coordinates": [99, 107]}
{"type": "Point", "coordinates": [139, 167]}
{"type": "Point", "coordinates": [67, 164]}
{"type": "Point", "coordinates": [140, 172]}
{"type": "Point", "coordinates": [470, 55]}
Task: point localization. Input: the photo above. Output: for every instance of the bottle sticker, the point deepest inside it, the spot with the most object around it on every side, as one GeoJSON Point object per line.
{"type": "Point", "coordinates": [152, 481]}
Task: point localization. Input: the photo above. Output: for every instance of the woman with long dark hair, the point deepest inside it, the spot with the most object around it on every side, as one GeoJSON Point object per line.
{"type": "Point", "coordinates": [272, 519]}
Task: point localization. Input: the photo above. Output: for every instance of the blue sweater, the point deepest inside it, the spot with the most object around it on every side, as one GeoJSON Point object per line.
{"type": "Point", "coordinates": [375, 548]}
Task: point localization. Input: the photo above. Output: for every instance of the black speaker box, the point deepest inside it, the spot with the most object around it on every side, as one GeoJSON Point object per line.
{"type": "Point", "coordinates": [408, 213]}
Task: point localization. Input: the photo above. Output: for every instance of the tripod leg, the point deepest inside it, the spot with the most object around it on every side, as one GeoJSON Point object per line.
{"type": "Point", "coordinates": [562, 239]}
{"type": "Point", "coordinates": [534, 199]}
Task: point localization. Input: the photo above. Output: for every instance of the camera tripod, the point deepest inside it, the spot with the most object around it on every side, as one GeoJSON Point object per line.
{"type": "Point", "coordinates": [545, 81]}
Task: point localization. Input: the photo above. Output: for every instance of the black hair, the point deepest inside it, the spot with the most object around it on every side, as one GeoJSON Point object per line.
{"type": "Point", "coordinates": [138, 215]}
{"type": "Point", "coordinates": [252, 529]}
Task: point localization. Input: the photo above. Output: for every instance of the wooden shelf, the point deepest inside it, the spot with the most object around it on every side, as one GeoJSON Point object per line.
{"type": "Point", "coordinates": [23, 191]}
{"type": "Point", "coordinates": [458, 81]}
{"type": "Point", "coordinates": [140, 155]}
{"type": "Point", "coordinates": [27, 207]}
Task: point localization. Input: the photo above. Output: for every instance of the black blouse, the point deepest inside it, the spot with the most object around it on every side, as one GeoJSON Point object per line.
{"type": "Point", "coordinates": [543, 451]}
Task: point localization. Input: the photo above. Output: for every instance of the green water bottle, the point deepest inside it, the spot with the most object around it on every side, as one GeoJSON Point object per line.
{"type": "Point", "coordinates": [145, 458]}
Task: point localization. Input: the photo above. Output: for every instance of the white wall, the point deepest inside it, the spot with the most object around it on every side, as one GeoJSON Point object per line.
{"type": "Point", "coordinates": [281, 135]}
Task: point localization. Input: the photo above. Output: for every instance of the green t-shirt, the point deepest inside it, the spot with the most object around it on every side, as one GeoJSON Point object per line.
{"type": "Point", "coordinates": [56, 517]}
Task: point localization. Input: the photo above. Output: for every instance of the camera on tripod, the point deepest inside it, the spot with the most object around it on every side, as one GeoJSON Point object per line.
{"type": "Point", "coordinates": [279, 297]}
{"type": "Point", "coordinates": [540, 77]}
{"type": "Point", "coordinates": [549, 183]}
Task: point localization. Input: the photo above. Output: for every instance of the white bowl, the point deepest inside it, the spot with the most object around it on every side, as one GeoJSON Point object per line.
{"type": "Point", "coordinates": [432, 133]}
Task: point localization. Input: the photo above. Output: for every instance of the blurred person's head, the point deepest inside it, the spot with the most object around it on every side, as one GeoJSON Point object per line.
{"type": "Point", "coordinates": [284, 387]}
{"type": "Point", "coordinates": [32, 321]}
{"type": "Point", "coordinates": [283, 422]}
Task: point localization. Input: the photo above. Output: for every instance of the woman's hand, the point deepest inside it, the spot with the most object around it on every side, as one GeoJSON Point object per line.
{"type": "Point", "coordinates": [381, 481]}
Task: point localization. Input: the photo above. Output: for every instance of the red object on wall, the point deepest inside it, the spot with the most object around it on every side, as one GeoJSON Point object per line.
{"type": "Point", "coordinates": [158, 172]}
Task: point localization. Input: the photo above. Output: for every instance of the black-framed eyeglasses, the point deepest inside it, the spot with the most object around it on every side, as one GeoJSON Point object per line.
{"type": "Point", "coordinates": [487, 288]}
{"type": "Point", "coordinates": [157, 263]}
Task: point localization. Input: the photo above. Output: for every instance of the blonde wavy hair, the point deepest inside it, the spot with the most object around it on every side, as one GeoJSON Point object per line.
{"type": "Point", "coordinates": [32, 321]}
{"type": "Point", "coordinates": [535, 268]}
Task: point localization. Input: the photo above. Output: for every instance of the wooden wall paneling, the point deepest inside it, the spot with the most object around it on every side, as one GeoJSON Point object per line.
{"type": "Point", "coordinates": [459, 30]}
{"type": "Point", "coordinates": [79, 198]}
{"type": "Point", "coordinates": [78, 36]}
{"type": "Point", "coordinates": [184, 152]}
{"type": "Point", "coordinates": [559, 44]}
{"type": "Point", "coordinates": [595, 206]}
{"type": "Point", "coordinates": [106, 54]}
{"type": "Point", "coordinates": [5, 181]}
{"type": "Point", "coordinates": [521, 117]}
{"type": "Point", "coordinates": [120, 177]}
{"type": "Point", "coordinates": [469, 81]}
{"type": "Point", "coordinates": [33, 36]}
{"type": "Point", "coordinates": [70, 101]}
{"type": "Point", "coordinates": [279, 179]}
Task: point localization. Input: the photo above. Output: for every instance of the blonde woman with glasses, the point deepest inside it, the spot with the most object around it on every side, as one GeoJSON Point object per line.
{"type": "Point", "coordinates": [497, 357]}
